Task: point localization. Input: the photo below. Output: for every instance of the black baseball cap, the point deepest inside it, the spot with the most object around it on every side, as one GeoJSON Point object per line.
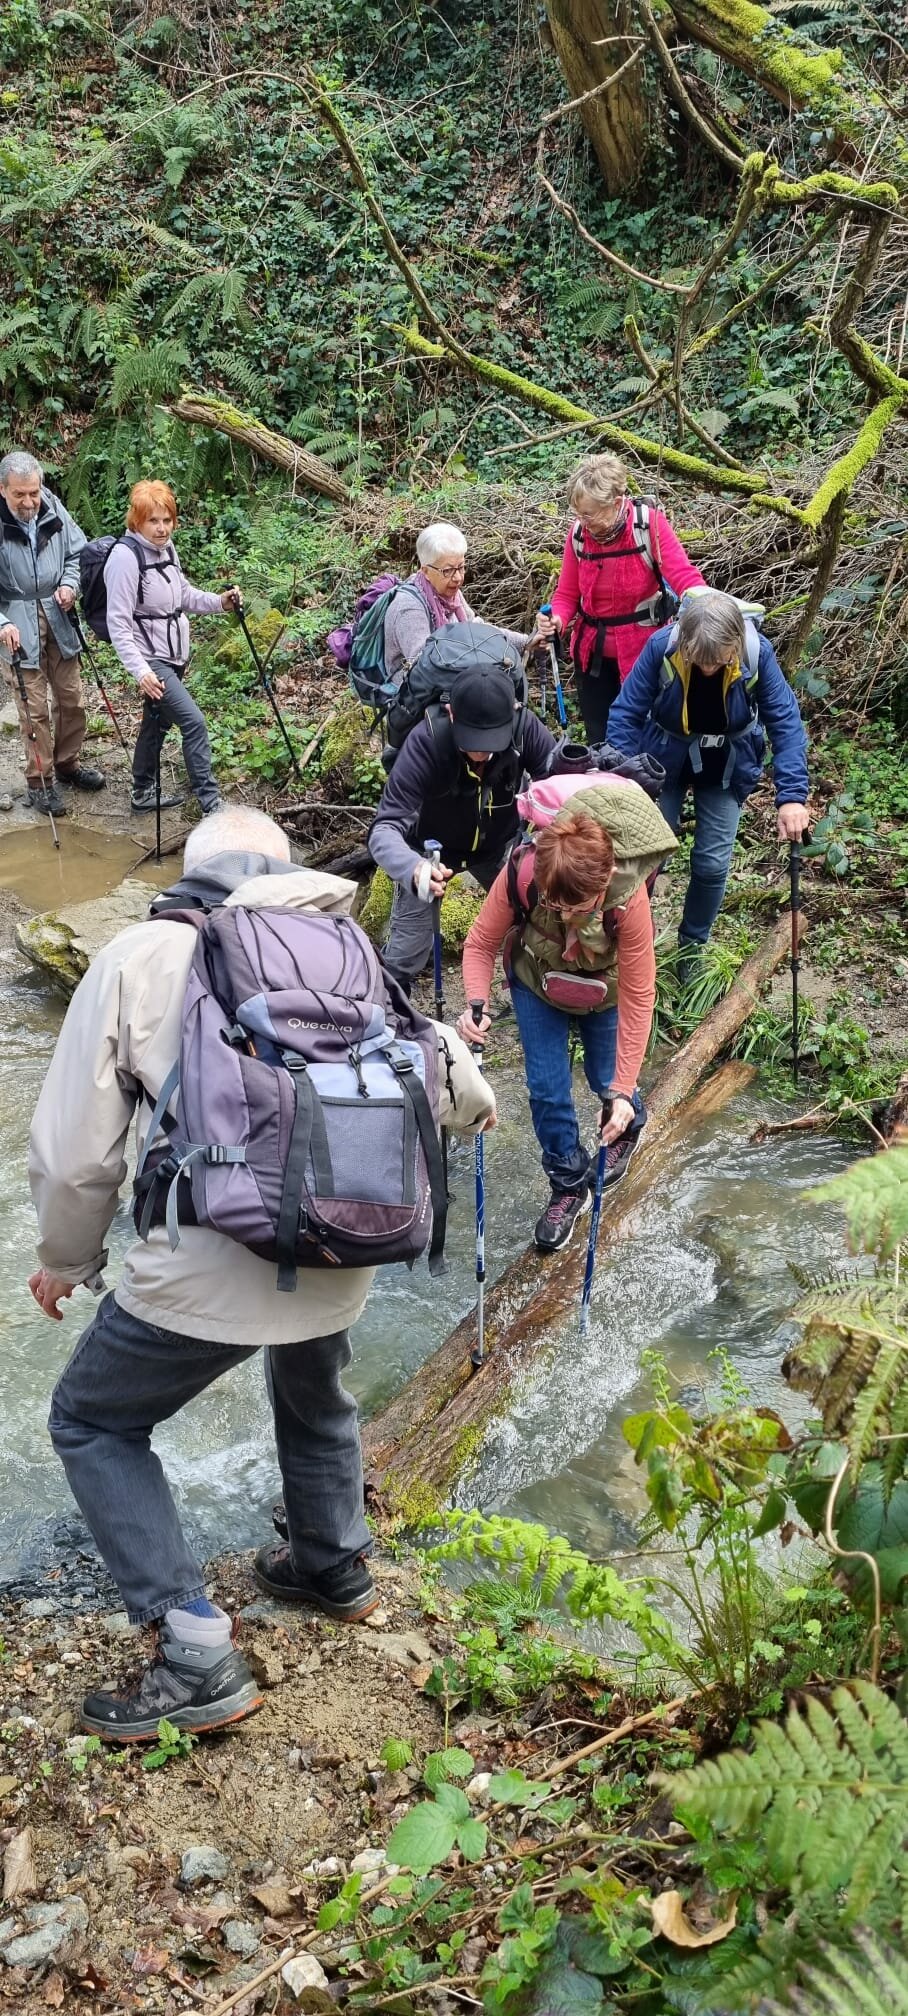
{"type": "Point", "coordinates": [483, 706]}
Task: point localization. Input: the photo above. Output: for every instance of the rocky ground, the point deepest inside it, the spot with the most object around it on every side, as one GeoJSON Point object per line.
{"type": "Point", "coordinates": [128, 1889]}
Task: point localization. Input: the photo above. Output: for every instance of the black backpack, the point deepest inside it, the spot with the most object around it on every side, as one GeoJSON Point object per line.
{"type": "Point", "coordinates": [459, 647]}
{"type": "Point", "coordinates": [93, 559]}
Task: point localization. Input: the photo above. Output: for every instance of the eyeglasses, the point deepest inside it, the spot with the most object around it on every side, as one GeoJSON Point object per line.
{"type": "Point", "coordinates": [575, 910]}
{"type": "Point", "coordinates": [448, 573]}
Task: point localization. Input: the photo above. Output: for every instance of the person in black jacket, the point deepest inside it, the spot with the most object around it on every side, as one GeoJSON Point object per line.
{"type": "Point", "coordinates": [456, 781]}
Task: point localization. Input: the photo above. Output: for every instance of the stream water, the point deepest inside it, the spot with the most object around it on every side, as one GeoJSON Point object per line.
{"type": "Point", "coordinates": [707, 1266]}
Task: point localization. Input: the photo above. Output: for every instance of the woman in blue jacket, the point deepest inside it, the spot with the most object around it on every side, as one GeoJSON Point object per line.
{"type": "Point", "coordinates": [704, 694]}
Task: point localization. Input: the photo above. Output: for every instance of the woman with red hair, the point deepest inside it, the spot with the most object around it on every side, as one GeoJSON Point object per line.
{"type": "Point", "coordinates": [571, 913]}
{"type": "Point", "coordinates": [147, 599]}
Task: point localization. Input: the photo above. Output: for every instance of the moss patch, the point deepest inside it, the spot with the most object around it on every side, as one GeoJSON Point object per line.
{"type": "Point", "coordinates": [461, 905]}
{"type": "Point", "coordinates": [232, 650]}
{"type": "Point", "coordinates": [347, 741]}
{"type": "Point", "coordinates": [376, 910]}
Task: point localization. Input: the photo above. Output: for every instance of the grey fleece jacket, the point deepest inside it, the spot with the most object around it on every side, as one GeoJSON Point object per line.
{"type": "Point", "coordinates": [155, 625]}
{"type": "Point", "coordinates": [28, 578]}
{"type": "Point", "coordinates": [408, 626]}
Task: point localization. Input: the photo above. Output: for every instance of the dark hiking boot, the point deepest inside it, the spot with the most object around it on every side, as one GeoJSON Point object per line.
{"type": "Point", "coordinates": [83, 778]}
{"type": "Point", "coordinates": [561, 1213]}
{"type": "Point", "coordinates": [195, 1687]}
{"type": "Point", "coordinates": [347, 1592]}
{"type": "Point", "coordinates": [51, 800]}
{"type": "Point", "coordinates": [618, 1153]}
{"type": "Point", "coordinates": [145, 801]}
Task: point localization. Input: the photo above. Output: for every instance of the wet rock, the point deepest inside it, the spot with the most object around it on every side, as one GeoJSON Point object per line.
{"type": "Point", "coordinates": [55, 1933]}
{"type": "Point", "coordinates": [64, 942]}
{"type": "Point", "coordinates": [241, 1937]}
{"type": "Point", "coordinates": [203, 1865]}
{"type": "Point", "coordinates": [303, 1972]}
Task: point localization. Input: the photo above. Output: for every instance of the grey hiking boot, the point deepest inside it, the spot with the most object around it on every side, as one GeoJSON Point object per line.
{"type": "Point", "coordinates": [561, 1213]}
{"type": "Point", "coordinates": [51, 799]}
{"type": "Point", "coordinates": [196, 1687]}
{"type": "Point", "coordinates": [144, 800]}
{"type": "Point", "coordinates": [346, 1592]}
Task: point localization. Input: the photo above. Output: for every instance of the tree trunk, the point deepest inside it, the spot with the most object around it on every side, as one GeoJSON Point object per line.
{"type": "Point", "coordinates": [416, 1448]}
{"type": "Point", "coordinates": [199, 409]}
{"type": "Point", "coordinates": [615, 121]}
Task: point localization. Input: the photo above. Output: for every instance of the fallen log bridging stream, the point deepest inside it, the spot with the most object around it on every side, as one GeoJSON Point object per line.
{"type": "Point", "coordinates": [418, 1446]}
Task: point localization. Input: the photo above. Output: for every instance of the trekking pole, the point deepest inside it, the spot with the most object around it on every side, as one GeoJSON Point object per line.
{"type": "Point", "coordinates": [432, 852]}
{"type": "Point", "coordinates": [795, 870]}
{"type": "Point", "coordinates": [594, 1225]}
{"type": "Point", "coordinates": [83, 640]}
{"type": "Point", "coordinates": [556, 672]}
{"type": "Point", "coordinates": [30, 730]}
{"type": "Point", "coordinates": [158, 739]}
{"type": "Point", "coordinates": [268, 690]}
{"type": "Point", "coordinates": [477, 1354]}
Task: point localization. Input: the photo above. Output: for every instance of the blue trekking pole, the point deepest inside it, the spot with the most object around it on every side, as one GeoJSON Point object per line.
{"type": "Point", "coordinates": [432, 852]}
{"type": "Point", "coordinates": [594, 1225]}
{"type": "Point", "coordinates": [556, 673]}
{"type": "Point", "coordinates": [477, 1355]}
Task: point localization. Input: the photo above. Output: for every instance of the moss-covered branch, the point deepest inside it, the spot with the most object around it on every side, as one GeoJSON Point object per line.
{"type": "Point", "coordinates": [199, 409]}
{"type": "Point", "coordinates": [692, 467]}
{"type": "Point", "coordinates": [843, 475]}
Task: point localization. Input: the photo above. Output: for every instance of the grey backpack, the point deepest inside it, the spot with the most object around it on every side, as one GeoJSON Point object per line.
{"type": "Point", "coordinates": [307, 1116]}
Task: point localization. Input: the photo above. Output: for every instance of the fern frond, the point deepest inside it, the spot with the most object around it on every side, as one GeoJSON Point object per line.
{"type": "Point", "coordinates": [853, 1361]}
{"type": "Point", "coordinates": [148, 374]}
{"type": "Point", "coordinates": [217, 294]}
{"type": "Point", "coordinates": [866, 1980]}
{"type": "Point", "coordinates": [243, 377]}
{"type": "Point", "coordinates": [874, 1193]}
{"type": "Point", "coordinates": [10, 325]}
{"type": "Point", "coordinates": [828, 1793]}
{"type": "Point", "coordinates": [179, 248]}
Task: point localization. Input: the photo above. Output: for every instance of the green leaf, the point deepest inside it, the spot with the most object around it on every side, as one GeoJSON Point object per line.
{"type": "Point", "coordinates": [518, 1911]}
{"type": "Point", "coordinates": [772, 1514]}
{"type": "Point", "coordinates": [659, 1430]}
{"type": "Point", "coordinates": [472, 1838]}
{"type": "Point", "coordinates": [441, 1765]}
{"type": "Point", "coordinates": [874, 1192]}
{"type": "Point", "coordinates": [396, 1754]}
{"type": "Point", "coordinates": [424, 1837]}
{"type": "Point", "coordinates": [454, 1801]}
{"type": "Point", "coordinates": [560, 1989]}
{"type": "Point", "coordinates": [511, 1788]}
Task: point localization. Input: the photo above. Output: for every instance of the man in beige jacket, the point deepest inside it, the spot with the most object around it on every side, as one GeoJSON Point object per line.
{"type": "Point", "coordinates": [179, 1319]}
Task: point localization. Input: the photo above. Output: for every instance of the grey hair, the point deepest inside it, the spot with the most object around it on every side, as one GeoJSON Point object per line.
{"type": "Point", "coordinates": [17, 463]}
{"type": "Point", "coordinates": [600, 478]}
{"type": "Point", "coordinates": [237, 829]}
{"type": "Point", "coordinates": [436, 540]}
{"type": "Point", "coordinates": [710, 628]}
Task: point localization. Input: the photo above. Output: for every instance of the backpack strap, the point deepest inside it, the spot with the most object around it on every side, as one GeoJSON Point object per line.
{"type": "Point", "coordinates": [288, 1224]}
{"type": "Point", "coordinates": [521, 905]}
{"type": "Point", "coordinates": [413, 1089]}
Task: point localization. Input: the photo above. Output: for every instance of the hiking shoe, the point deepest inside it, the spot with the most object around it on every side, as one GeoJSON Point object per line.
{"type": "Point", "coordinates": [83, 778]}
{"type": "Point", "coordinates": [347, 1592]}
{"type": "Point", "coordinates": [51, 800]}
{"type": "Point", "coordinates": [561, 1213]}
{"type": "Point", "coordinates": [145, 801]}
{"type": "Point", "coordinates": [196, 1687]}
{"type": "Point", "coordinates": [618, 1153]}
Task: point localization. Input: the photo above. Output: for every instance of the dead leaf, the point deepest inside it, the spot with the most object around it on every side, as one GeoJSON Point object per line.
{"type": "Point", "coordinates": [19, 1875]}
{"type": "Point", "coordinates": [275, 1899]}
{"type": "Point", "coordinates": [670, 1918]}
{"type": "Point", "coordinates": [89, 1979]}
{"type": "Point", "coordinates": [54, 1990]}
{"type": "Point", "coordinates": [150, 1960]}
{"type": "Point", "coordinates": [7, 1785]}
{"type": "Point", "coordinates": [418, 1675]}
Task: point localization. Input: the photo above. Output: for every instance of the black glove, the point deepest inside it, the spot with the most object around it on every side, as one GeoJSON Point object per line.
{"type": "Point", "coordinates": [643, 770]}
{"type": "Point", "coordinates": [569, 759]}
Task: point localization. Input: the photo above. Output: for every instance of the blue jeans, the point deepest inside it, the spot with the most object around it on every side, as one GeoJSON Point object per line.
{"type": "Point", "coordinates": [125, 1376]}
{"type": "Point", "coordinates": [545, 1035]}
{"type": "Point", "coordinates": [716, 815]}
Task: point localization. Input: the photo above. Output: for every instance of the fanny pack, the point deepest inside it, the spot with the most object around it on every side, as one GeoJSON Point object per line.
{"type": "Point", "coordinates": [579, 992]}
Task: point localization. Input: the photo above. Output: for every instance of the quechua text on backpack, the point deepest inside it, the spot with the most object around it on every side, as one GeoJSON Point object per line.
{"type": "Point", "coordinates": [307, 1101]}
{"type": "Point", "coordinates": [93, 559]}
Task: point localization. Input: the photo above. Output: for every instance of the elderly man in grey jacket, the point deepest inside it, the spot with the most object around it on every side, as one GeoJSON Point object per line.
{"type": "Point", "coordinates": [39, 581]}
{"type": "Point", "coordinates": [179, 1319]}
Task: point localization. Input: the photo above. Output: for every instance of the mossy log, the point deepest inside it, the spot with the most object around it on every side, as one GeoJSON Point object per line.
{"type": "Point", "coordinates": [199, 409]}
{"type": "Point", "coordinates": [417, 1447]}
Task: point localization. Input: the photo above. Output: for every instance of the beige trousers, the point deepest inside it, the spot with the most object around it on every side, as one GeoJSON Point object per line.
{"type": "Point", "coordinates": [55, 702]}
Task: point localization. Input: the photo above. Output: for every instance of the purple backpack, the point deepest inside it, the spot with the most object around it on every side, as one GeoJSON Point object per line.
{"type": "Point", "coordinates": [307, 1117]}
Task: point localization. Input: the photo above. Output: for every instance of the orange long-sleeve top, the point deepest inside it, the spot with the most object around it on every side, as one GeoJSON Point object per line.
{"type": "Point", "coordinates": [636, 972]}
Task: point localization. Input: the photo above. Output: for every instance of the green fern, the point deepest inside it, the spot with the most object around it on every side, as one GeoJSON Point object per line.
{"type": "Point", "coordinates": [826, 1795]}
{"type": "Point", "coordinates": [868, 1980]}
{"type": "Point", "coordinates": [242, 377]}
{"type": "Point", "coordinates": [853, 1361]}
{"type": "Point", "coordinates": [590, 1590]}
{"type": "Point", "coordinates": [216, 295]}
{"type": "Point", "coordinates": [149, 374]}
{"type": "Point", "coordinates": [874, 1193]}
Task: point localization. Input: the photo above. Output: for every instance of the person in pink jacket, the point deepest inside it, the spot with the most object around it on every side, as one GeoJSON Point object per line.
{"type": "Point", "coordinates": [622, 576]}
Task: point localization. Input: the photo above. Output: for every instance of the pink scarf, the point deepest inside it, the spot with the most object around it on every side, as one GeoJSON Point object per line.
{"type": "Point", "coordinates": [441, 612]}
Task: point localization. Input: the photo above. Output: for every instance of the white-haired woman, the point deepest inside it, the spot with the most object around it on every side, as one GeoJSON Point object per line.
{"type": "Point", "coordinates": [620, 558]}
{"type": "Point", "coordinates": [434, 598]}
{"type": "Point", "coordinates": [702, 697]}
